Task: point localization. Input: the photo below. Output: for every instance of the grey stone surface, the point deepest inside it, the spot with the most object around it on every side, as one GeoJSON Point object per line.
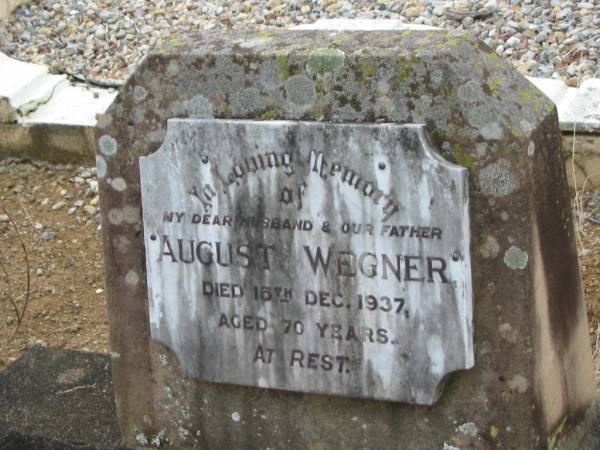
{"type": "Point", "coordinates": [58, 400]}
{"type": "Point", "coordinates": [321, 258]}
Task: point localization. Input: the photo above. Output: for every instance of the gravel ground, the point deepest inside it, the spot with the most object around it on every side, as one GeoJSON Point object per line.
{"type": "Point", "coordinates": [105, 39]}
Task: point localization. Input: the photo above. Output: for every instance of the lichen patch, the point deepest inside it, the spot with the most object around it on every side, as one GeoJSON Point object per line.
{"type": "Point", "coordinates": [490, 248]}
{"type": "Point", "coordinates": [300, 90]}
{"type": "Point", "coordinates": [139, 93]}
{"type": "Point", "coordinates": [518, 384]}
{"type": "Point", "coordinates": [108, 145]}
{"type": "Point", "coordinates": [118, 184]}
{"type": "Point", "coordinates": [515, 258]}
{"type": "Point", "coordinates": [132, 278]}
{"type": "Point", "coordinates": [497, 180]}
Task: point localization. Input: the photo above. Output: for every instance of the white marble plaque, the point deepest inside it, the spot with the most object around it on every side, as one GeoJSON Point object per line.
{"type": "Point", "coordinates": [312, 257]}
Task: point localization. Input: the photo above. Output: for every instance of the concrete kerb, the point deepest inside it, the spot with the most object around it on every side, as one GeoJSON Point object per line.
{"type": "Point", "coordinates": [47, 117]}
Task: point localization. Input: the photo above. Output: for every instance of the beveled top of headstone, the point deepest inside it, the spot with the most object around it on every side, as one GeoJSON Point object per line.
{"type": "Point", "coordinates": [448, 80]}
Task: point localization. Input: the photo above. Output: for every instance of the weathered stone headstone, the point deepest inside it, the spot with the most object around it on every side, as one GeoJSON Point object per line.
{"type": "Point", "coordinates": [323, 245]}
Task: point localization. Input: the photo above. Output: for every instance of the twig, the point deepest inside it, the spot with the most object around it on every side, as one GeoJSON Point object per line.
{"type": "Point", "coordinates": [28, 217]}
{"type": "Point", "coordinates": [19, 313]}
{"type": "Point", "coordinates": [578, 201]}
{"type": "Point", "coordinates": [76, 388]}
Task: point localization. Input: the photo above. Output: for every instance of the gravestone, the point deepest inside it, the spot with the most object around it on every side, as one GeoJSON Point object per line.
{"type": "Point", "coordinates": [356, 239]}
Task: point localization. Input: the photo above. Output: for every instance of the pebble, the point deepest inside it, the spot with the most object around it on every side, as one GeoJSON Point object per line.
{"type": "Point", "coordinates": [90, 210]}
{"type": "Point", "coordinates": [4, 218]}
{"type": "Point", "coordinates": [540, 37]}
{"type": "Point", "coordinates": [106, 40]}
{"type": "Point", "coordinates": [58, 205]}
{"type": "Point", "coordinates": [48, 235]}
{"type": "Point", "coordinates": [513, 41]}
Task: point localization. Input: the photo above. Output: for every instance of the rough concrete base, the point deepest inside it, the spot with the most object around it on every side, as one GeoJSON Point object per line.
{"type": "Point", "coordinates": [586, 168]}
{"type": "Point", "coordinates": [48, 142]}
{"type": "Point", "coordinates": [55, 399]}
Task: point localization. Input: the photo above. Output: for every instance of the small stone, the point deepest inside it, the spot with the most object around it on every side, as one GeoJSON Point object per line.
{"type": "Point", "coordinates": [95, 201]}
{"type": "Point", "coordinates": [93, 184]}
{"type": "Point", "coordinates": [48, 235]}
{"type": "Point", "coordinates": [513, 41]}
{"type": "Point", "coordinates": [90, 210]}
{"type": "Point", "coordinates": [541, 37]}
{"type": "Point", "coordinates": [4, 218]}
{"type": "Point", "coordinates": [413, 11]}
{"type": "Point", "coordinates": [72, 210]}
{"type": "Point", "coordinates": [78, 203]}
{"type": "Point", "coordinates": [58, 205]}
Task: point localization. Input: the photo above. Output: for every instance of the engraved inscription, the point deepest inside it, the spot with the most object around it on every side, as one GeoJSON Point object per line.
{"type": "Point", "coordinates": [309, 257]}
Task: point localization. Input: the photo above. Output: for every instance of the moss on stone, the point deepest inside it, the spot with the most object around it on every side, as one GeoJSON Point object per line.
{"type": "Point", "coordinates": [224, 110]}
{"type": "Point", "coordinates": [269, 115]}
{"type": "Point", "coordinates": [282, 60]}
{"type": "Point", "coordinates": [314, 113]}
{"type": "Point", "coordinates": [267, 34]}
{"type": "Point", "coordinates": [320, 86]}
{"type": "Point", "coordinates": [367, 69]}
{"type": "Point", "coordinates": [324, 60]}
{"type": "Point", "coordinates": [525, 96]}
{"type": "Point", "coordinates": [404, 67]}
{"type": "Point", "coordinates": [494, 83]}
{"type": "Point", "coordinates": [462, 158]}
{"type": "Point", "coordinates": [174, 42]}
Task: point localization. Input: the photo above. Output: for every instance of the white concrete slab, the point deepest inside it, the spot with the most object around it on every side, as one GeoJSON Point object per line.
{"type": "Point", "coordinates": [72, 104]}
{"type": "Point", "coordinates": [23, 87]}
{"type": "Point", "coordinates": [578, 108]}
